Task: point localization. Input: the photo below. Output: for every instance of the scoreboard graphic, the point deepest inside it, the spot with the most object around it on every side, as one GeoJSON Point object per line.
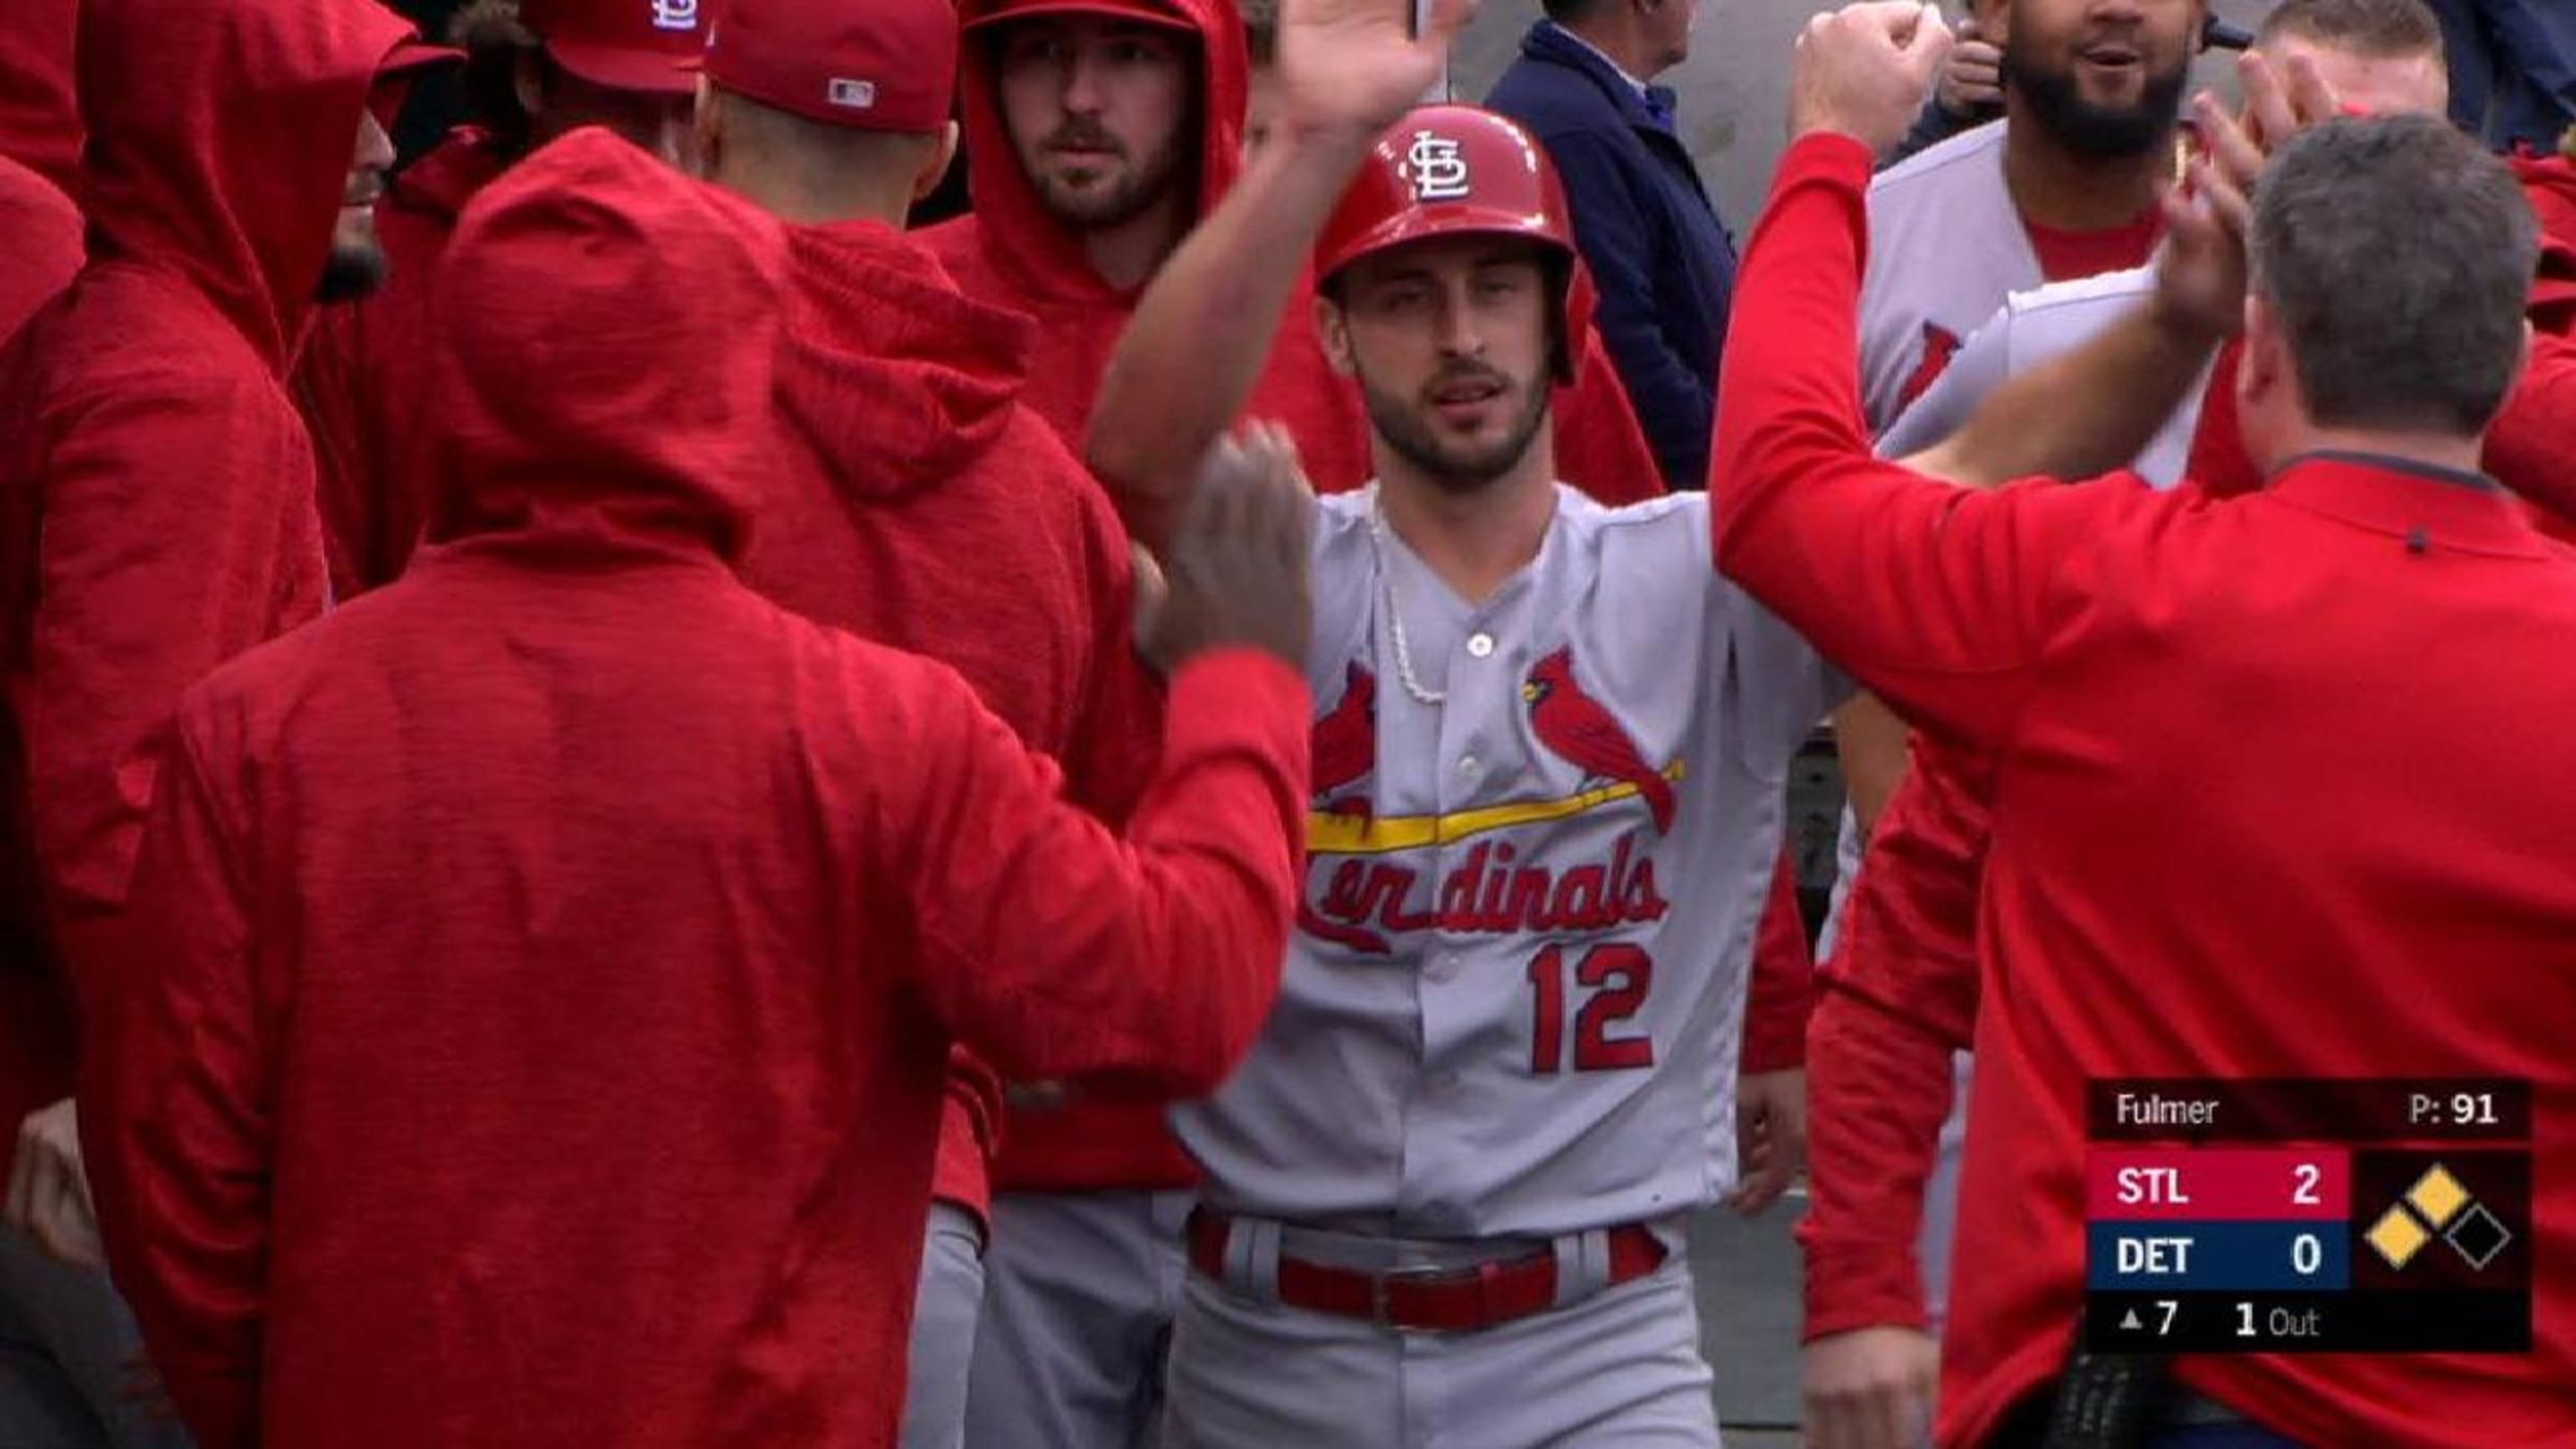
{"type": "Point", "coordinates": [2299, 1216]}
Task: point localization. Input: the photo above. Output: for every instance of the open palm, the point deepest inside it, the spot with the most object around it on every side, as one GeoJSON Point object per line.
{"type": "Point", "coordinates": [1354, 65]}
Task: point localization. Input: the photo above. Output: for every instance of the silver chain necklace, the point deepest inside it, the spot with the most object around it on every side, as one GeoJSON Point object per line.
{"type": "Point", "coordinates": [1394, 614]}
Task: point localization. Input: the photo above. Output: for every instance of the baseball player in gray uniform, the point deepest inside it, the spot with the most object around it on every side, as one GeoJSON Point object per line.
{"type": "Point", "coordinates": [1443, 1201]}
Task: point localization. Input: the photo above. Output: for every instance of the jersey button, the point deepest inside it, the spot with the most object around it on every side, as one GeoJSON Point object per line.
{"type": "Point", "coordinates": [1480, 645]}
{"type": "Point", "coordinates": [1469, 766]}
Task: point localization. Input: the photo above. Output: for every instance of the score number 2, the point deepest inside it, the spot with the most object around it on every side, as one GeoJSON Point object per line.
{"type": "Point", "coordinates": [1618, 976]}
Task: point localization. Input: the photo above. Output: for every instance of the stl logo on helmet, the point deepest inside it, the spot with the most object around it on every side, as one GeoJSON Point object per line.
{"type": "Point", "coordinates": [675, 14]}
{"type": "Point", "coordinates": [1436, 167]}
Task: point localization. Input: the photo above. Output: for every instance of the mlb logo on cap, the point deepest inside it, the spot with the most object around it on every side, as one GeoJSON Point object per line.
{"type": "Point", "coordinates": [805, 57]}
{"type": "Point", "coordinates": [675, 14]}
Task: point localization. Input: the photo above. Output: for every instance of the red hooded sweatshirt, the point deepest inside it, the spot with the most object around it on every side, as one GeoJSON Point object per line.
{"type": "Point", "coordinates": [44, 249]}
{"type": "Point", "coordinates": [362, 379]}
{"type": "Point", "coordinates": [144, 419]}
{"type": "Point", "coordinates": [2102, 644]}
{"type": "Point", "coordinates": [925, 507]}
{"type": "Point", "coordinates": [40, 121]}
{"type": "Point", "coordinates": [1012, 253]}
{"type": "Point", "coordinates": [661, 901]}
{"type": "Point", "coordinates": [1009, 250]}
{"type": "Point", "coordinates": [40, 133]}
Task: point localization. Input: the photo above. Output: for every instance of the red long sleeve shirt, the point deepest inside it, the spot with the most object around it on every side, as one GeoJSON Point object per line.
{"type": "Point", "coordinates": [159, 514]}
{"type": "Point", "coordinates": [2142, 916]}
{"type": "Point", "coordinates": [546, 967]}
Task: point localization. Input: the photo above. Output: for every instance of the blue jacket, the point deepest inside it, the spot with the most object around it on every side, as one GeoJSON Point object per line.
{"type": "Point", "coordinates": [1663, 262]}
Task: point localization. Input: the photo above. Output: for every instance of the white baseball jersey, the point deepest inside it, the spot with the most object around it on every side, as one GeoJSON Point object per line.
{"type": "Point", "coordinates": [2031, 328]}
{"type": "Point", "coordinates": [1515, 998]}
{"type": "Point", "coordinates": [1946, 246]}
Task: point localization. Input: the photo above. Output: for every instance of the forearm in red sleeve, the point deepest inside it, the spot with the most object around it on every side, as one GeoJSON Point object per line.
{"type": "Point", "coordinates": [174, 1111]}
{"type": "Point", "coordinates": [1783, 988]}
{"type": "Point", "coordinates": [171, 542]}
{"type": "Point", "coordinates": [2532, 447]}
{"type": "Point", "coordinates": [1054, 948]}
{"type": "Point", "coordinates": [1929, 594]}
{"type": "Point", "coordinates": [1899, 997]}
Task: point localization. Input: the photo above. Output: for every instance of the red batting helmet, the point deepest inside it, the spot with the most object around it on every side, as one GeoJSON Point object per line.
{"type": "Point", "coordinates": [1453, 171]}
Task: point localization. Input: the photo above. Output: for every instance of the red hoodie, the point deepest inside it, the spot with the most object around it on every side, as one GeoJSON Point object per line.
{"type": "Point", "coordinates": [44, 251]}
{"type": "Point", "coordinates": [362, 379]}
{"type": "Point", "coordinates": [927, 508]}
{"type": "Point", "coordinates": [144, 418]}
{"type": "Point", "coordinates": [2105, 644]}
{"type": "Point", "coordinates": [1010, 252]}
{"type": "Point", "coordinates": [664, 901]}
{"type": "Point", "coordinates": [40, 121]}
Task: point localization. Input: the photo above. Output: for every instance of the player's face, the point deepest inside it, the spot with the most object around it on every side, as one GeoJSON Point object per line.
{"type": "Point", "coordinates": [2374, 85]}
{"type": "Point", "coordinates": [1448, 339]}
{"type": "Point", "coordinates": [356, 264]}
{"type": "Point", "coordinates": [2103, 77]}
{"type": "Point", "coordinates": [1096, 108]}
{"type": "Point", "coordinates": [1669, 24]}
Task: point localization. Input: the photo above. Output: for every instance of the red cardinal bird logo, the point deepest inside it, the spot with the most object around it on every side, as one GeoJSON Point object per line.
{"type": "Point", "coordinates": [1345, 743]}
{"type": "Point", "coordinates": [1578, 729]}
{"type": "Point", "coordinates": [1940, 344]}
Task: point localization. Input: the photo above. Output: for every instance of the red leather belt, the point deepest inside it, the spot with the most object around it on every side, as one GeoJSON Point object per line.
{"type": "Point", "coordinates": [1427, 1300]}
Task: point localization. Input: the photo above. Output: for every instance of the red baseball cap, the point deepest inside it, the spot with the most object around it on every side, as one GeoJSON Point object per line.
{"type": "Point", "coordinates": [1145, 12]}
{"type": "Point", "coordinates": [625, 45]}
{"type": "Point", "coordinates": [877, 65]}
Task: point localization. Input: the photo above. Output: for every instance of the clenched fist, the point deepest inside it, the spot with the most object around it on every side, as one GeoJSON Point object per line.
{"type": "Point", "coordinates": [1864, 70]}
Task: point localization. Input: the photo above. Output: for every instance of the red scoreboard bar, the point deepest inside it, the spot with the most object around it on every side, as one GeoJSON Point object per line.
{"type": "Point", "coordinates": [2342, 1216]}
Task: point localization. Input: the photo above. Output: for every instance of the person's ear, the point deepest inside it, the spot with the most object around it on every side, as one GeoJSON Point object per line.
{"type": "Point", "coordinates": [2265, 366]}
{"type": "Point", "coordinates": [1333, 329]}
{"type": "Point", "coordinates": [935, 169]}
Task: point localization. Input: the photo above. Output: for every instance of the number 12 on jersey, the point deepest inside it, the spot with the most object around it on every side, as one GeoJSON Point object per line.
{"type": "Point", "coordinates": [1613, 981]}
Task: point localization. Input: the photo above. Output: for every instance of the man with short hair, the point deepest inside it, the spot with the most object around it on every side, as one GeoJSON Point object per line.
{"type": "Point", "coordinates": [1443, 1198]}
{"type": "Point", "coordinates": [534, 70]}
{"type": "Point", "coordinates": [919, 502]}
{"type": "Point", "coordinates": [1098, 133]}
{"type": "Point", "coordinates": [160, 482]}
{"type": "Point", "coordinates": [1650, 235]}
{"type": "Point", "coordinates": [673, 988]}
{"type": "Point", "coordinates": [2104, 643]}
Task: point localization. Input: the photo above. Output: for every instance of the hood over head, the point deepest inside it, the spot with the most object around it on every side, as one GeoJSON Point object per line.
{"type": "Point", "coordinates": [40, 123]}
{"type": "Point", "coordinates": [220, 133]}
{"type": "Point", "coordinates": [1016, 226]}
{"type": "Point", "coordinates": [607, 358]}
{"type": "Point", "coordinates": [894, 378]}
{"type": "Point", "coordinates": [2549, 183]}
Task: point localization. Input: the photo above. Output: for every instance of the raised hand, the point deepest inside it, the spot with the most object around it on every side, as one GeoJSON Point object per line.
{"type": "Point", "coordinates": [1239, 571]}
{"type": "Point", "coordinates": [2200, 268]}
{"type": "Point", "coordinates": [1353, 67]}
{"type": "Point", "coordinates": [1972, 78]}
{"type": "Point", "coordinates": [1863, 71]}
